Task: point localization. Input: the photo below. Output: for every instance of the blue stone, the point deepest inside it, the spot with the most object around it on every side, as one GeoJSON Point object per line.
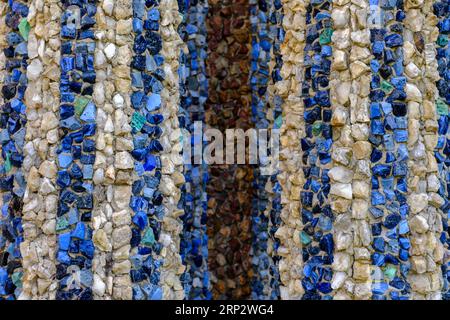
{"type": "Point", "coordinates": [393, 40]}
{"type": "Point", "coordinates": [67, 64]}
{"type": "Point", "coordinates": [403, 227]}
{"type": "Point", "coordinates": [64, 160]}
{"type": "Point", "coordinates": [89, 113]}
{"type": "Point", "coordinates": [378, 259]}
{"type": "Point", "coordinates": [136, 79]}
{"type": "Point", "coordinates": [374, 66]}
{"type": "Point", "coordinates": [88, 171]}
{"type": "Point", "coordinates": [68, 31]}
{"type": "Point", "coordinates": [13, 39]}
{"type": "Point", "coordinates": [400, 168]}
{"type": "Point", "coordinates": [150, 162]}
{"type": "Point", "coordinates": [21, 49]}
{"type": "Point", "coordinates": [137, 99]}
{"type": "Point", "coordinates": [377, 198]}
{"type": "Point", "coordinates": [392, 220]}
{"type": "Point", "coordinates": [379, 244]}
{"type": "Point", "coordinates": [64, 241]}
{"type": "Point", "coordinates": [388, 141]}
{"type": "Point", "coordinates": [140, 219]}
{"type": "Point", "coordinates": [326, 51]}
{"type": "Point", "coordinates": [325, 287]}
{"type": "Point", "coordinates": [382, 170]}
{"type": "Point", "coordinates": [377, 47]}
{"type": "Point", "coordinates": [86, 278]}
{"type": "Point", "coordinates": [137, 25]}
{"type": "Point", "coordinates": [150, 64]}
{"type": "Point", "coordinates": [155, 118]}
{"type": "Point", "coordinates": [87, 248]}
{"type": "Point", "coordinates": [404, 243]}
{"type": "Point", "coordinates": [153, 14]}
{"type": "Point", "coordinates": [153, 102]}
{"type": "Point", "coordinates": [80, 231]}
{"type": "Point", "coordinates": [63, 257]}
{"type": "Point", "coordinates": [71, 123]}
{"type": "Point", "coordinates": [398, 82]}
{"type": "Point", "coordinates": [379, 288]}
{"type": "Point", "coordinates": [375, 110]}
{"type": "Point", "coordinates": [73, 216]}
{"type": "Point", "coordinates": [138, 8]}
{"type": "Point", "coordinates": [401, 135]}
{"type": "Point", "coordinates": [403, 255]}
{"type": "Point", "coordinates": [377, 127]}
{"type": "Point", "coordinates": [376, 212]}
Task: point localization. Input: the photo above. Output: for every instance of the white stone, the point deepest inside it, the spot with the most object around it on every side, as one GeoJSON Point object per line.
{"type": "Point", "coordinates": [118, 101]}
{"type": "Point", "coordinates": [98, 286]}
{"type": "Point", "coordinates": [340, 18]}
{"type": "Point", "coordinates": [341, 174]}
{"type": "Point", "coordinates": [110, 51]}
{"type": "Point", "coordinates": [34, 70]}
{"type": "Point", "coordinates": [361, 37]}
{"type": "Point", "coordinates": [360, 209]}
{"type": "Point", "coordinates": [124, 160]}
{"type": "Point", "coordinates": [340, 60]}
{"type": "Point", "coordinates": [338, 279]}
{"type": "Point", "coordinates": [417, 202]}
{"type": "Point", "coordinates": [413, 93]}
{"type": "Point", "coordinates": [108, 6]}
{"type": "Point", "coordinates": [419, 224]}
{"type": "Point", "coordinates": [342, 261]}
{"type": "Point", "coordinates": [121, 218]}
{"type": "Point", "coordinates": [343, 190]}
{"type": "Point", "coordinates": [412, 70]}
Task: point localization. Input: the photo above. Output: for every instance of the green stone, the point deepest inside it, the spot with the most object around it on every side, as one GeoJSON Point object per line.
{"type": "Point", "coordinates": [16, 278]}
{"type": "Point", "coordinates": [442, 40]}
{"type": "Point", "coordinates": [441, 107]}
{"type": "Point", "coordinates": [305, 238]}
{"type": "Point", "coordinates": [278, 122]}
{"type": "Point", "coordinates": [317, 128]}
{"type": "Point", "coordinates": [325, 36]}
{"type": "Point", "coordinates": [61, 223]}
{"type": "Point", "coordinates": [149, 238]}
{"type": "Point", "coordinates": [8, 165]}
{"type": "Point", "coordinates": [137, 121]}
{"type": "Point", "coordinates": [24, 28]}
{"type": "Point", "coordinates": [80, 103]}
{"type": "Point", "coordinates": [386, 86]}
{"type": "Point", "coordinates": [390, 272]}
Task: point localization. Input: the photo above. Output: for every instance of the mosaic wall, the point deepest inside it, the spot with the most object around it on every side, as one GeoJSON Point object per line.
{"type": "Point", "coordinates": [98, 98]}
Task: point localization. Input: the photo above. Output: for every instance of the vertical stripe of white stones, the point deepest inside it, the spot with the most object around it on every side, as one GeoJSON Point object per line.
{"type": "Point", "coordinates": [171, 158]}
{"type": "Point", "coordinates": [420, 34]}
{"type": "Point", "coordinates": [350, 175]}
{"type": "Point", "coordinates": [113, 167]}
{"type": "Point", "coordinates": [41, 141]}
{"type": "Point", "coordinates": [291, 176]}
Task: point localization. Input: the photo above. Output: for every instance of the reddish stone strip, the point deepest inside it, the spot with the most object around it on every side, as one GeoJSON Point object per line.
{"type": "Point", "coordinates": [230, 186]}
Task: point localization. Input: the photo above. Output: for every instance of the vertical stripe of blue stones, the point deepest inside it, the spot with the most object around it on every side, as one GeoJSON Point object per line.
{"type": "Point", "coordinates": [146, 200]}
{"type": "Point", "coordinates": [194, 90]}
{"type": "Point", "coordinates": [389, 136]}
{"type": "Point", "coordinates": [442, 11]}
{"type": "Point", "coordinates": [76, 153]}
{"type": "Point", "coordinates": [259, 80]}
{"type": "Point", "coordinates": [317, 217]}
{"type": "Point", "coordinates": [12, 136]}
{"type": "Point", "coordinates": [276, 33]}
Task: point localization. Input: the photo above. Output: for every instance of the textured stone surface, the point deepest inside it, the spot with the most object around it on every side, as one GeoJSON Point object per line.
{"type": "Point", "coordinates": [229, 186]}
